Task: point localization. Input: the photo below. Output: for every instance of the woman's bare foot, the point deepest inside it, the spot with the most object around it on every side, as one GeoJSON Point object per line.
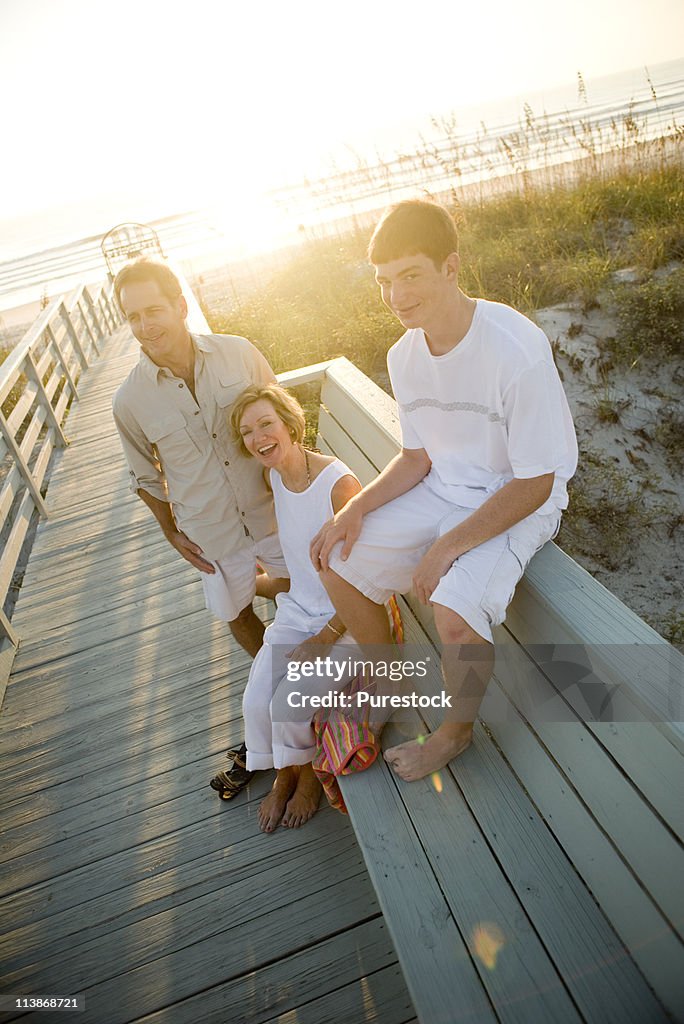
{"type": "Point", "coordinates": [272, 808]}
{"type": "Point", "coordinates": [414, 760]}
{"type": "Point", "coordinates": [303, 803]}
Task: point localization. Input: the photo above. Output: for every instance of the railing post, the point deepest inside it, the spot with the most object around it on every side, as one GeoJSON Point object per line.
{"type": "Point", "coordinates": [62, 361]}
{"type": "Point", "coordinates": [22, 466]}
{"type": "Point", "coordinates": [93, 312]}
{"type": "Point", "coordinates": [32, 374]}
{"type": "Point", "coordinates": [87, 326]}
{"type": "Point", "coordinates": [6, 628]}
{"type": "Point", "coordinates": [75, 340]}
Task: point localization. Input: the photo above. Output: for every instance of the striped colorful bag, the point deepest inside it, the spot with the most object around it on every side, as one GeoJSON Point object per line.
{"type": "Point", "coordinates": [347, 744]}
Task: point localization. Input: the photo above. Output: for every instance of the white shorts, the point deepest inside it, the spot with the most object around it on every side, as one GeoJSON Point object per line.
{"type": "Point", "coordinates": [478, 586]}
{"type": "Point", "coordinates": [232, 587]}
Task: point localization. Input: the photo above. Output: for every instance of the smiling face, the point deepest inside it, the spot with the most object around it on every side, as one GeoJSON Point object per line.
{"type": "Point", "coordinates": [416, 291]}
{"type": "Point", "coordinates": [157, 322]}
{"type": "Point", "coordinates": [264, 434]}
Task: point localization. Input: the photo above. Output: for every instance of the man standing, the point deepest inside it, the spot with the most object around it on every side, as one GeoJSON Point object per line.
{"type": "Point", "coordinates": [480, 483]}
{"type": "Point", "coordinates": [173, 416]}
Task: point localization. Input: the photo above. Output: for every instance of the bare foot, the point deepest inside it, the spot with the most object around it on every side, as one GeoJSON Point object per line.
{"type": "Point", "coordinates": [414, 760]}
{"type": "Point", "coordinates": [272, 808]}
{"type": "Point", "coordinates": [303, 803]}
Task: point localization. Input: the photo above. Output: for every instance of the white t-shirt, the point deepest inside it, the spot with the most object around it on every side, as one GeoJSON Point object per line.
{"type": "Point", "coordinates": [491, 409]}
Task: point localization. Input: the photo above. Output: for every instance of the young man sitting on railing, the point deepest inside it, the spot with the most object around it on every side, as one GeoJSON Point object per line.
{"type": "Point", "coordinates": [173, 413]}
{"type": "Point", "coordinates": [480, 483]}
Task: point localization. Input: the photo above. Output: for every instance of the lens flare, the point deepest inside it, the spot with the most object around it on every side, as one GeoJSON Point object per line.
{"type": "Point", "coordinates": [488, 941]}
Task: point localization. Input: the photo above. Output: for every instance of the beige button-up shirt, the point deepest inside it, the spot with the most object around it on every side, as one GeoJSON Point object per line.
{"type": "Point", "coordinates": [181, 450]}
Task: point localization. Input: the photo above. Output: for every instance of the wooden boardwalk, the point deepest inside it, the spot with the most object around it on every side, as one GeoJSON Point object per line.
{"type": "Point", "coordinates": [122, 875]}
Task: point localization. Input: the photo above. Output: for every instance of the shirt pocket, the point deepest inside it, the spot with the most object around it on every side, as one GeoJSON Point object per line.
{"type": "Point", "coordinates": [227, 390]}
{"type": "Point", "coordinates": [172, 439]}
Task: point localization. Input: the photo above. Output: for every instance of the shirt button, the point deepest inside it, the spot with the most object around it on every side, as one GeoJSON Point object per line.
{"type": "Point", "coordinates": [242, 513]}
{"type": "Point", "coordinates": [227, 463]}
{"type": "Point", "coordinates": [213, 435]}
{"type": "Point", "coordinates": [180, 385]}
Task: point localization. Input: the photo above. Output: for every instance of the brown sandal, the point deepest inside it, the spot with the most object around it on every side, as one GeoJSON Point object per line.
{"type": "Point", "coordinates": [233, 780]}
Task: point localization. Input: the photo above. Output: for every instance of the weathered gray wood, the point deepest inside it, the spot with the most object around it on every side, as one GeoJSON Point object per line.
{"type": "Point", "coordinates": [300, 982]}
{"type": "Point", "coordinates": [617, 806]}
{"type": "Point", "coordinates": [22, 465]}
{"type": "Point", "coordinates": [12, 365]}
{"type": "Point", "coordinates": [46, 397]}
{"type": "Point", "coordinates": [599, 974]}
{"type": "Point", "coordinates": [73, 336]}
{"type": "Point", "coordinates": [190, 946]}
{"type": "Point", "coordinates": [436, 963]}
{"type": "Point", "coordinates": [504, 946]}
{"type": "Point", "coordinates": [562, 603]}
{"type": "Point", "coordinates": [159, 876]}
{"type": "Point", "coordinates": [77, 303]}
{"type": "Point", "coordinates": [644, 928]}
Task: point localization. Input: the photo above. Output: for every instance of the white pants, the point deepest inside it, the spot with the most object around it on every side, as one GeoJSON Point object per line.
{"type": "Point", "coordinates": [276, 734]}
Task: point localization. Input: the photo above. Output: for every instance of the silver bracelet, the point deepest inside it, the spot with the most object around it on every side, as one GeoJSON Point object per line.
{"type": "Point", "coordinates": [333, 630]}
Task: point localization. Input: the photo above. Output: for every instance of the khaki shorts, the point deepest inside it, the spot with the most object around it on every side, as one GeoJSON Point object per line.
{"type": "Point", "coordinates": [478, 586]}
{"type": "Point", "coordinates": [233, 586]}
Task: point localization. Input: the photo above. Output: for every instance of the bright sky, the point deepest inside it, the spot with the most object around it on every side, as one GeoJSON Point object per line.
{"type": "Point", "coordinates": [139, 108]}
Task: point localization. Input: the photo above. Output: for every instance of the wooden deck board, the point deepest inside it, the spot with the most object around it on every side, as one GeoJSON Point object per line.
{"type": "Point", "coordinates": [123, 875]}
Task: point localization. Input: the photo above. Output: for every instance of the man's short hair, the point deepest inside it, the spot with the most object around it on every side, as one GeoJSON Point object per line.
{"type": "Point", "coordinates": [148, 270]}
{"type": "Point", "coordinates": [411, 227]}
{"type": "Point", "coordinates": [285, 405]}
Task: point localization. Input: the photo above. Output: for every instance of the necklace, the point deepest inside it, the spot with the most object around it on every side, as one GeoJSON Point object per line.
{"type": "Point", "coordinates": [306, 463]}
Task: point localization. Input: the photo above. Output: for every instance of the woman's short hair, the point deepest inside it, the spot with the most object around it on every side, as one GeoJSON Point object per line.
{"type": "Point", "coordinates": [285, 405]}
{"type": "Point", "coordinates": [148, 270]}
{"type": "Point", "coordinates": [411, 227]}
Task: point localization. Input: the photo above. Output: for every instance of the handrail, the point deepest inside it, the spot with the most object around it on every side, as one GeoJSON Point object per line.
{"type": "Point", "coordinates": [38, 381]}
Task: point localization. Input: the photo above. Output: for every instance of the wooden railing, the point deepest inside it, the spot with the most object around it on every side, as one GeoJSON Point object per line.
{"type": "Point", "coordinates": [38, 381]}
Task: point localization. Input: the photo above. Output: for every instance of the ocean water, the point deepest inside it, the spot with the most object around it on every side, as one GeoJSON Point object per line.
{"type": "Point", "coordinates": [463, 146]}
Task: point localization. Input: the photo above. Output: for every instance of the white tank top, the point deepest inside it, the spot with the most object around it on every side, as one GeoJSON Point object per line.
{"type": "Point", "coordinates": [300, 516]}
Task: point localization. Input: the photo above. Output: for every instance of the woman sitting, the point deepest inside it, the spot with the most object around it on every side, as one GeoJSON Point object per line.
{"type": "Point", "coordinates": [308, 489]}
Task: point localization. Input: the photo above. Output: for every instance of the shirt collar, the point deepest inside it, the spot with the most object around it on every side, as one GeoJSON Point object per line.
{"type": "Point", "coordinates": [152, 371]}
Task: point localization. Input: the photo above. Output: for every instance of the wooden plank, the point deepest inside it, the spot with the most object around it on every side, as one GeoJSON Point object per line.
{"type": "Point", "coordinates": [304, 375]}
{"type": "Point", "coordinates": [13, 544]}
{"type": "Point", "coordinates": [613, 800]}
{"type": "Point", "coordinates": [600, 975]}
{"type": "Point", "coordinates": [156, 801]}
{"type": "Point", "coordinates": [350, 409]}
{"type": "Point", "coordinates": [22, 407]}
{"type": "Point", "coordinates": [19, 460]}
{"type": "Point", "coordinates": [436, 963]}
{"type": "Point", "coordinates": [646, 932]}
{"type": "Point", "coordinates": [8, 646]}
{"type": "Point", "coordinates": [344, 447]}
{"type": "Point", "coordinates": [181, 950]}
{"type": "Point", "coordinates": [562, 602]}
{"type": "Point", "coordinates": [301, 982]}
{"type": "Point", "coordinates": [157, 877]}
{"type": "Point", "coordinates": [12, 365]}
{"type": "Point", "coordinates": [54, 417]}
{"type": "Point", "coordinates": [521, 981]}
{"type": "Point", "coordinates": [11, 486]}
